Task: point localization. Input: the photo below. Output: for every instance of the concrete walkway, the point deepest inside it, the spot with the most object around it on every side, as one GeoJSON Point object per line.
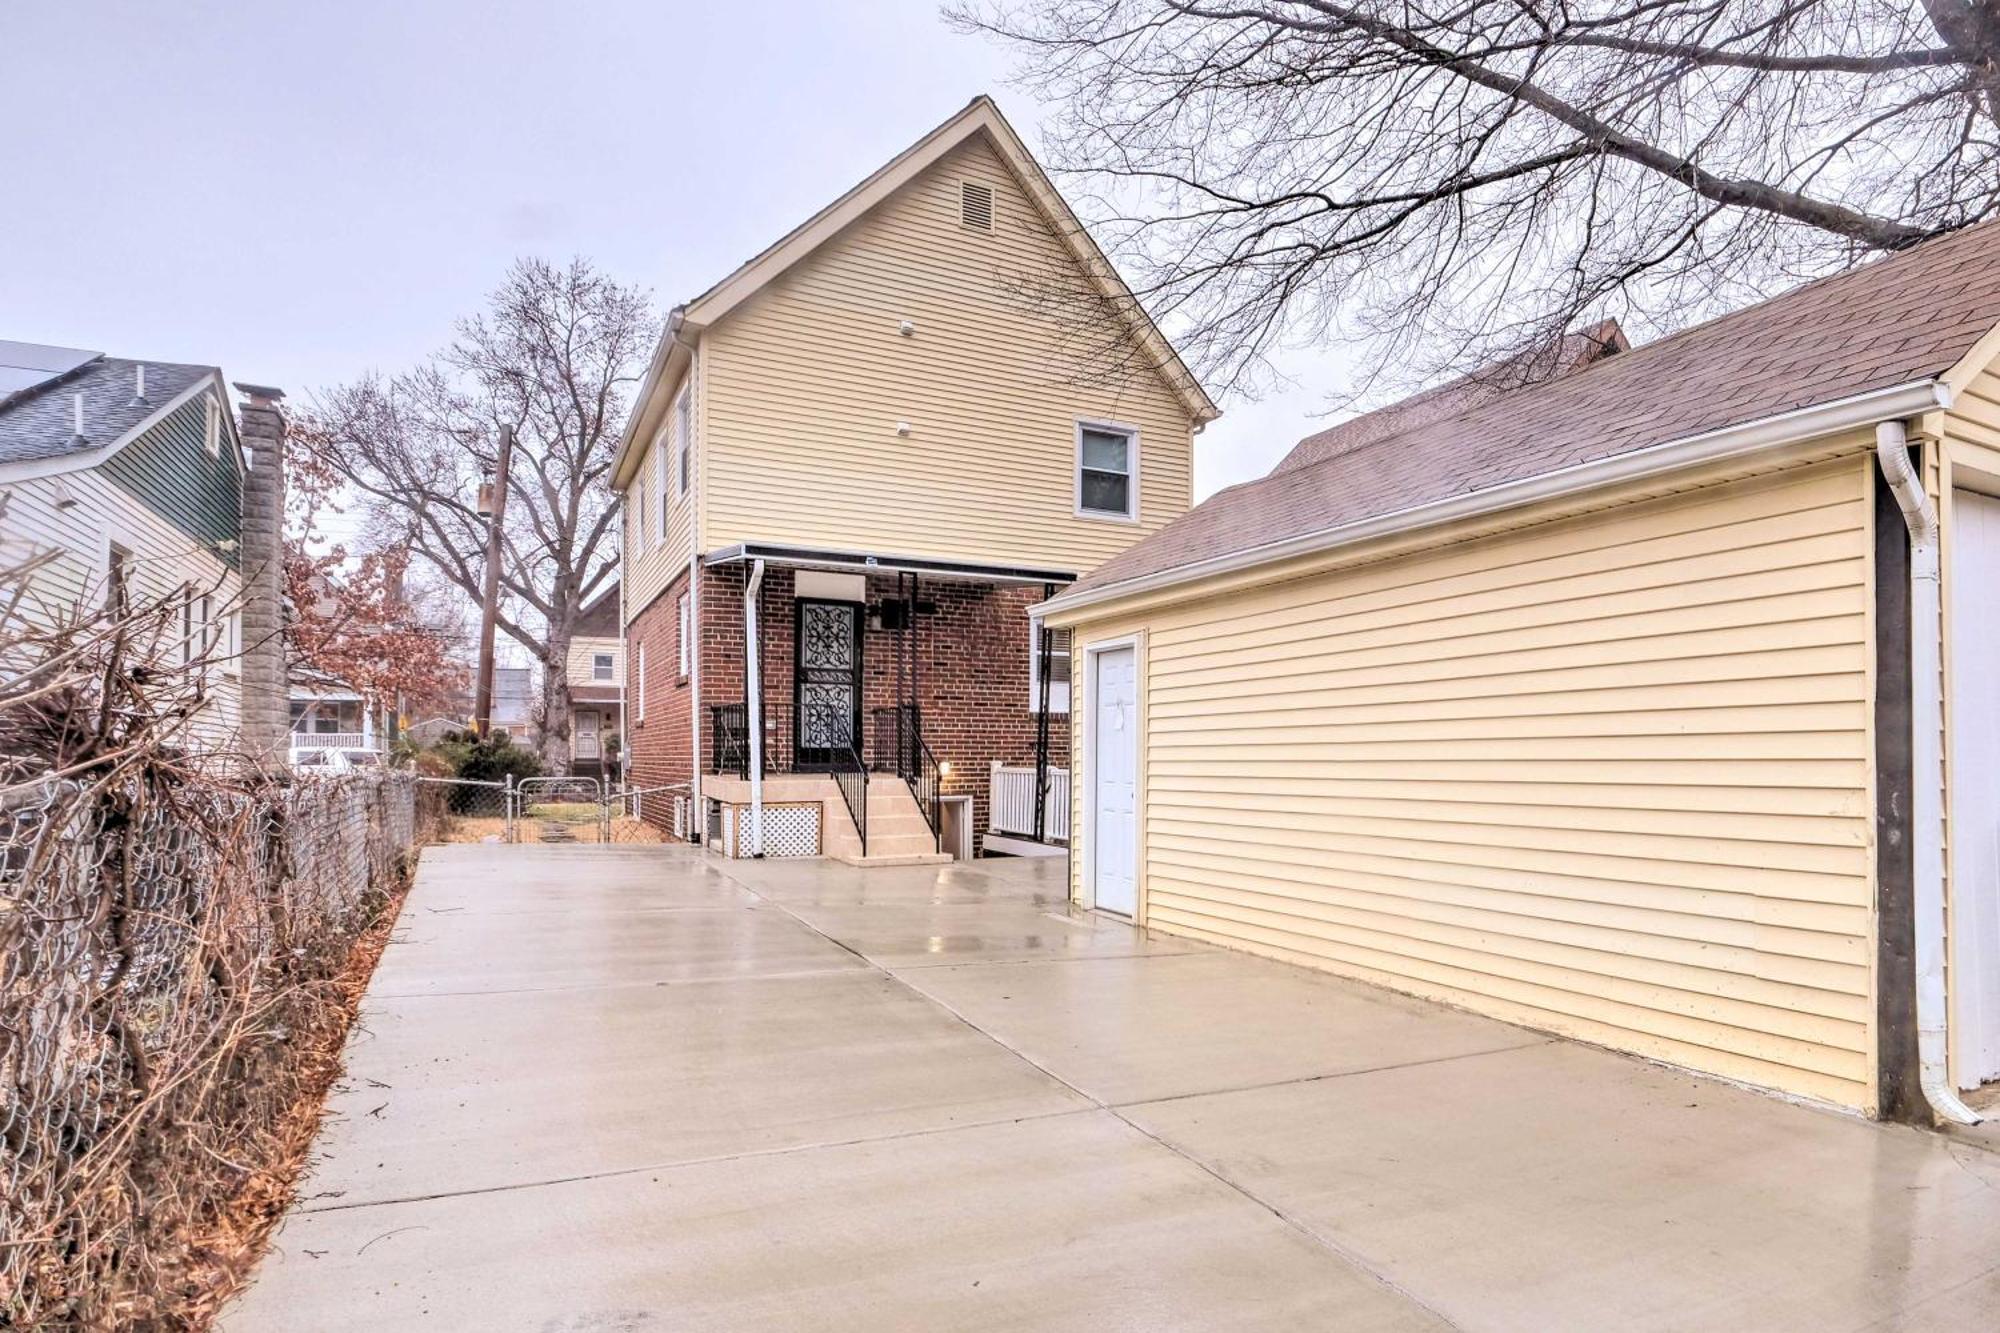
{"type": "Point", "coordinates": [635, 1089]}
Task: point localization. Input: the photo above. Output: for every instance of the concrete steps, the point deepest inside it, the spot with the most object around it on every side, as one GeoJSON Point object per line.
{"type": "Point", "coordinates": [897, 832]}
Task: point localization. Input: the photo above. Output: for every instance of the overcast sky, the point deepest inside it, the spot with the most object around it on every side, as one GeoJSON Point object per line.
{"type": "Point", "coordinates": [301, 192]}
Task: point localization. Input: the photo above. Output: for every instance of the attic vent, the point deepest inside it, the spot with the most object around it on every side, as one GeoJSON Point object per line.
{"type": "Point", "coordinates": [975, 205]}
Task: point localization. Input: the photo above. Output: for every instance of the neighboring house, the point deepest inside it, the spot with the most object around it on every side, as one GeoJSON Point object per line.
{"type": "Point", "coordinates": [1611, 706]}
{"type": "Point", "coordinates": [597, 689]}
{"type": "Point", "coordinates": [514, 702]}
{"type": "Point", "coordinates": [853, 465]}
{"type": "Point", "coordinates": [126, 478]}
{"type": "Point", "coordinates": [329, 715]}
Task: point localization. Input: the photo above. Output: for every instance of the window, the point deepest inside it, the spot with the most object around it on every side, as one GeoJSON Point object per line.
{"type": "Point", "coordinates": [190, 649]}
{"type": "Point", "coordinates": [639, 515]}
{"type": "Point", "coordinates": [118, 580]}
{"type": "Point", "coordinates": [1058, 668]}
{"type": "Point", "coordinates": [660, 483]}
{"type": "Point", "coordinates": [1107, 471]}
{"type": "Point", "coordinates": [601, 666]}
{"type": "Point", "coordinates": [687, 637]}
{"type": "Point", "coordinates": [211, 427]}
{"type": "Point", "coordinates": [683, 441]}
{"type": "Point", "coordinates": [639, 703]}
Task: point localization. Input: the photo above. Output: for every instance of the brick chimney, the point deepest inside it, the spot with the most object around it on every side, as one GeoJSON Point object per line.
{"type": "Point", "coordinates": [266, 712]}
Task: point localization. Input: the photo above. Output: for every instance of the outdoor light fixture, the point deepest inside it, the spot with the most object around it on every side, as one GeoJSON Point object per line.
{"type": "Point", "coordinates": [903, 428]}
{"type": "Point", "coordinates": [486, 493]}
{"type": "Point", "coordinates": [906, 328]}
{"type": "Point", "coordinates": [944, 768]}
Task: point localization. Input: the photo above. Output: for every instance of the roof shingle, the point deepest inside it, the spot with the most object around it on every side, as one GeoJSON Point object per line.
{"type": "Point", "coordinates": [1903, 318]}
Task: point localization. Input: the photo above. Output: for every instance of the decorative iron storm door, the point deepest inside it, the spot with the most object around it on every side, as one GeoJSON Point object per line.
{"type": "Point", "coordinates": [826, 686]}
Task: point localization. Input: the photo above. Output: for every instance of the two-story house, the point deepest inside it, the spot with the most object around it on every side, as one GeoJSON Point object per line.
{"type": "Point", "coordinates": [854, 463]}
{"type": "Point", "coordinates": [121, 480]}
{"type": "Point", "coordinates": [597, 689]}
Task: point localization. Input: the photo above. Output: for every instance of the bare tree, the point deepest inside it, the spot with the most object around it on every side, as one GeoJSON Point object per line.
{"type": "Point", "coordinates": [1454, 184]}
{"type": "Point", "coordinates": [556, 353]}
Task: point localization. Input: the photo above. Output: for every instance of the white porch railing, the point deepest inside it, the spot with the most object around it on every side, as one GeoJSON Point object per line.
{"type": "Point", "coordinates": [333, 740]}
{"type": "Point", "coordinates": [1011, 798]}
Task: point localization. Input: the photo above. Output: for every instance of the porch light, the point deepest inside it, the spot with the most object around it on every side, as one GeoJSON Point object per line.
{"type": "Point", "coordinates": [944, 768]}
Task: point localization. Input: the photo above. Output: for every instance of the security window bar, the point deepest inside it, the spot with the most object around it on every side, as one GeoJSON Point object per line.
{"type": "Point", "coordinates": [1104, 472]}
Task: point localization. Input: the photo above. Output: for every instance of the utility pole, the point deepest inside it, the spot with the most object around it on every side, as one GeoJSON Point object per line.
{"type": "Point", "coordinates": [496, 517]}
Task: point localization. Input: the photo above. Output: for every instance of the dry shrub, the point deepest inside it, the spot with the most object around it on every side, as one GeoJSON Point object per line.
{"type": "Point", "coordinates": [177, 942]}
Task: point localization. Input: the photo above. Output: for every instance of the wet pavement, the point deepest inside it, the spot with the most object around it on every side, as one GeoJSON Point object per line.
{"type": "Point", "coordinates": [635, 1088]}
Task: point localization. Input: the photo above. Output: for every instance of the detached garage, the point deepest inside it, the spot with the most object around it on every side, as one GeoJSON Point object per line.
{"type": "Point", "coordinates": [1623, 706]}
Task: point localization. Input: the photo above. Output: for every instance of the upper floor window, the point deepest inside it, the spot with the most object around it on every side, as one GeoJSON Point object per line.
{"type": "Point", "coordinates": [1107, 470]}
{"type": "Point", "coordinates": [683, 441]}
{"type": "Point", "coordinates": [211, 427]}
{"type": "Point", "coordinates": [660, 481]}
{"type": "Point", "coordinates": [600, 666]}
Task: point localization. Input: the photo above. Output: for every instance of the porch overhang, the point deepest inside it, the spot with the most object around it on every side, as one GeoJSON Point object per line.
{"type": "Point", "coordinates": [866, 562]}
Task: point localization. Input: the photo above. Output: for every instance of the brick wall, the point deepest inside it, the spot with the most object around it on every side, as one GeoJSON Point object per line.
{"type": "Point", "coordinates": [973, 671]}
{"type": "Point", "coordinates": [661, 734]}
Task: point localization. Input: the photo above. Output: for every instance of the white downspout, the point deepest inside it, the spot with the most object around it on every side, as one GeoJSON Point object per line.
{"type": "Point", "coordinates": [695, 819]}
{"type": "Point", "coordinates": [1892, 453]}
{"type": "Point", "coordinates": [753, 706]}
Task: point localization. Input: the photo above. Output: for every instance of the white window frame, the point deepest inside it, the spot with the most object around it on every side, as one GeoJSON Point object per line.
{"type": "Point", "coordinates": [211, 426]}
{"type": "Point", "coordinates": [609, 663]}
{"type": "Point", "coordinates": [639, 669]}
{"type": "Point", "coordinates": [687, 636]}
{"type": "Point", "coordinates": [1058, 686]}
{"type": "Point", "coordinates": [1131, 434]}
{"type": "Point", "coordinates": [683, 440]}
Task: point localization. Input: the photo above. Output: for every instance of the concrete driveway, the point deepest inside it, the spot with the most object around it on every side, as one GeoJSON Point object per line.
{"type": "Point", "coordinates": [636, 1088]}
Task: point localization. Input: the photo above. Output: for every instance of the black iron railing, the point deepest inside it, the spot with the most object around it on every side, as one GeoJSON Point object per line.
{"type": "Point", "coordinates": [730, 743]}
{"type": "Point", "coordinates": [851, 776]}
{"type": "Point", "coordinates": [900, 749]}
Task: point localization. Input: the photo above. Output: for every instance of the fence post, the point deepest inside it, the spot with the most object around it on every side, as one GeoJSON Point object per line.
{"type": "Point", "coordinates": [508, 832]}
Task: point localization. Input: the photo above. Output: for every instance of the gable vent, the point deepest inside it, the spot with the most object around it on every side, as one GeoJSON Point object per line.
{"type": "Point", "coordinates": [975, 205]}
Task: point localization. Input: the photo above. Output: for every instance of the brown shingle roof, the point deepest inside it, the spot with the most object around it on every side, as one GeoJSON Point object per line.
{"type": "Point", "coordinates": [1573, 351]}
{"type": "Point", "coordinates": [1900, 319]}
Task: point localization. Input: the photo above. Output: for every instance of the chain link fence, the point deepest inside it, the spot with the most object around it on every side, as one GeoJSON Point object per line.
{"type": "Point", "coordinates": [161, 947]}
{"type": "Point", "coordinates": [177, 937]}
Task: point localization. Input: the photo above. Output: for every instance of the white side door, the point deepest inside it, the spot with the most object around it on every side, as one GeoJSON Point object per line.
{"type": "Point", "coordinates": [1114, 770]}
{"type": "Point", "coordinates": [1975, 781]}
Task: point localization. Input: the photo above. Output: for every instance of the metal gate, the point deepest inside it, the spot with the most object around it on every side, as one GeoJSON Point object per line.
{"type": "Point", "coordinates": [465, 810]}
{"type": "Point", "coordinates": [554, 811]}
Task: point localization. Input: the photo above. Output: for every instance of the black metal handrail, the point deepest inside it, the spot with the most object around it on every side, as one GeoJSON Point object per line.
{"type": "Point", "coordinates": [851, 776]}
{"type": "Point", "coordinates": [900, 749]}
{"type": "Point", "coordinates": [730, 731]}
{"type": "Point", "coordinates": [926, 781]}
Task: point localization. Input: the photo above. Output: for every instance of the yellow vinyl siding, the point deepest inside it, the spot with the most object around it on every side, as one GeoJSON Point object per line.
{"type": "Point", "coordinates": [804, 386]}
{"type": "Point", "coordinates": [581, 650]}
{"type": "Point", "coordinates": [654, 561]}
{"type": "Point", "coordinates": [1607, 776]}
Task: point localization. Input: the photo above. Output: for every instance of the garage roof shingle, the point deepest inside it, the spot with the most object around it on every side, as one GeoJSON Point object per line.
{"type": "Point", "coordinates": [1900, 319]}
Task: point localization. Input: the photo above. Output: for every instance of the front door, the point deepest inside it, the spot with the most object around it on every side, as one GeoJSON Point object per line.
{"type": "Point", "coordinates": [586, 734]}
{"type": "Point", "coordinates": [826, 684]}
{"type": "Point", "coordinates": [1114, 771]}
